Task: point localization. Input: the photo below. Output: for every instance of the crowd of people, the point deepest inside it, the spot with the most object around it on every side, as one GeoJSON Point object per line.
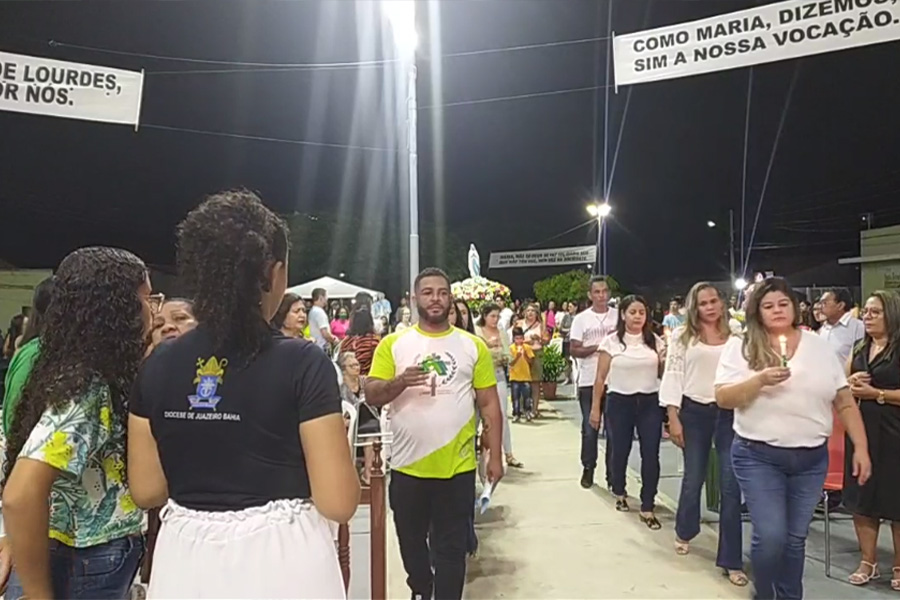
{"type": "Point", "coordinates": [223, 415]}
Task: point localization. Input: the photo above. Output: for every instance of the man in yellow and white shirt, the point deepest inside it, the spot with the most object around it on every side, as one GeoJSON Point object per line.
{"type": "Point", "coordinates": [432, 375]}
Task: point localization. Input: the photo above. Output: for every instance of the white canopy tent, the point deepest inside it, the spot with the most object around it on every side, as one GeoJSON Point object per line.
{"type": "Point", "coordinates": [337, 289]}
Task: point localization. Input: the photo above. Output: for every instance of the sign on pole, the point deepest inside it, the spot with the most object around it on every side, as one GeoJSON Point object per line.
{"type": "Point", "coordinates": [58, 88]}
{"type": "Point", "coordinates": [575, 255]}
{"type": "Point", "coordinates": [765, 34]}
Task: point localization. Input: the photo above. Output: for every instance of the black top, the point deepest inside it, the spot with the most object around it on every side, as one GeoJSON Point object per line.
{"type": "Point", "coordinates": [227, 432]}
{"type": "Point", "coordinates": [884, 369]}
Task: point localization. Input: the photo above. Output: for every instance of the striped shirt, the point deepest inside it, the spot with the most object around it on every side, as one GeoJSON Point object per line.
{"type": "Point", "coordinates": [363, 346]}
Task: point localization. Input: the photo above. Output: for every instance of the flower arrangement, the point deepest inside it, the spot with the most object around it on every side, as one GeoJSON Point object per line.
{"type": "Point", "coordinates": [478, 291]}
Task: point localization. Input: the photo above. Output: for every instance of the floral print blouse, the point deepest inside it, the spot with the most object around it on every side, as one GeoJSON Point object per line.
{"type": "Point", "coordinates": [89, 502]}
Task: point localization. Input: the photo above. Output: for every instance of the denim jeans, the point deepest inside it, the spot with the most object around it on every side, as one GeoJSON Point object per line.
{"type": "Point", "coordinates": [782, 487]}
{"type": "Point", "coordinates": [521, 394]}
{"type": "Point", "coordinates": [103, 572]}
{"type": "Point", "coordinates": [625, 413]}
{"type": "Point", "coordinates": [704, 424]}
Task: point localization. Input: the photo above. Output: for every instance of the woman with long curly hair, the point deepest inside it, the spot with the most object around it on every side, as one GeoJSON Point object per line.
{"type": "Point", "coordinates": [65, 457]}
{"type": "Point", "coordinates": [237, 428]}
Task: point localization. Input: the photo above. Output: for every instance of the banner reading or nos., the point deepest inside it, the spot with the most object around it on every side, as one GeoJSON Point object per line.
{"type": "Point", "coordinates": [57, 88]}
{"type": "Point", "coordinates": [765, 34]}
{"type": "Point", "coordinates": [574, 255]}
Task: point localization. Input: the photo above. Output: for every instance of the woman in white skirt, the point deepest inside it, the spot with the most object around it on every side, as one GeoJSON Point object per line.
{"type": "Point", "coordinates": [237, 429]}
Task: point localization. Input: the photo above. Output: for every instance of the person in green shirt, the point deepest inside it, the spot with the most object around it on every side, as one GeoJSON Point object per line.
{"type": "Point", "coordinates": [74, 530]}
{"type": "Point", "coordinates": [23, 360]}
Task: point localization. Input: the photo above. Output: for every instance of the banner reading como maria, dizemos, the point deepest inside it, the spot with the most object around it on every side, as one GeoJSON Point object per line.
{"type": "Point", "coordinates": [765, 34]}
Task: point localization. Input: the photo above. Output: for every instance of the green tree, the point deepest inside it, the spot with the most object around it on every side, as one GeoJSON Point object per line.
{"type": "Point", "coordinates": [571, 286]}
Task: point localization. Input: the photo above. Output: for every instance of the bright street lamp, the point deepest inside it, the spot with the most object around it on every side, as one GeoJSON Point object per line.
{"type": "Point", "coordinates": [740, 283]}
{"type": "Point", "coordinates": [710, 224]}
{"type": "Point", "coordinates": [401, 14]}
{"type": "Point", "coordinates": [600, 211]}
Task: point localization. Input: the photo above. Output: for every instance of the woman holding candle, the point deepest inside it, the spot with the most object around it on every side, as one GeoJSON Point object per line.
{"type": "Point", "coordinates": [696, 422]}
{"type": "Point", "coordinates": [875, 382]}
{"type": "Point", "coordinates": [782, 421]}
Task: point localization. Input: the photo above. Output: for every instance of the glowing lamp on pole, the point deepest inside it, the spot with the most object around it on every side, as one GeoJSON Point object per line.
{"type": "Point", "coordinates": [599, 211]}
{"type": "Point", "coordinates": [401, 14]}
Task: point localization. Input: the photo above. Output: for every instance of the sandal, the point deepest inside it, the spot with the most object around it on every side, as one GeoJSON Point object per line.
{"type": "Point", "coordinates": [651, 521]}
{"type": "Point", "coordinates": [865, 573]}
{"type": "Point", "coordinates": [737, 578]}
{"type": "Point", "coordinates": [512, 462]}
{"type": "Point", "coordinates": [622, 504]}
{"type": "Point", "coordinates": [682, 548]}
{"type": "Point", "coordinates": [895, 580]}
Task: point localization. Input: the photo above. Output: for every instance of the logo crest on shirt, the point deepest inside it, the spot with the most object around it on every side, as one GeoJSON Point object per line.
{"type": "Point", "coordinates": [209, 377]}
{"type": "Point", "coordinates": [442, 367]}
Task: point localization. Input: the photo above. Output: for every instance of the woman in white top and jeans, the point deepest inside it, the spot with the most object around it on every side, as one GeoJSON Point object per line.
{"type": "Point", "coordinates": [629, 364]}
{"type": "Point", "coordinates": [695, 422]}
{"type": "Point", "coordinates": [782, 383]}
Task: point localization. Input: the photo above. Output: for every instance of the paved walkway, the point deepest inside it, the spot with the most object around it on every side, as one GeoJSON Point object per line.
{"type": "Point", "coordinates": [545, 537]}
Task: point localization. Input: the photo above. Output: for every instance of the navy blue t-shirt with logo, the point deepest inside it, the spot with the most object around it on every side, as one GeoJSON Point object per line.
{"type": "Point", "coordinates": [227, 431]}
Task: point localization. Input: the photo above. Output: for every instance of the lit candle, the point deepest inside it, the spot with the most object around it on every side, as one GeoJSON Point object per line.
{"type": "Point", "coordinates": [782, 340]}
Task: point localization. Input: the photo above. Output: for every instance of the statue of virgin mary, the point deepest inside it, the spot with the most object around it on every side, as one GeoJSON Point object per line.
{"type": "Point", "coordinates": [474, 262]}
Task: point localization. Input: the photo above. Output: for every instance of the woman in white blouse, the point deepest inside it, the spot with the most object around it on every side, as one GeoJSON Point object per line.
{"type": "Point", "coordinates": [782, 383]}
{"type": "Point", "coordinates": [687, 392]}
{"type": "Point", "coordinates": [629, 365]}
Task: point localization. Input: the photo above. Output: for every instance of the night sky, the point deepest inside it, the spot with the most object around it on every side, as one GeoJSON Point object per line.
{"type": "Point", "coordinates": [505, 174]}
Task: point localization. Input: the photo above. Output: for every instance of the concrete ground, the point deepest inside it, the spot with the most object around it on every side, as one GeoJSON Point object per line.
{"type": "Point", "coordinates": [545, 537]}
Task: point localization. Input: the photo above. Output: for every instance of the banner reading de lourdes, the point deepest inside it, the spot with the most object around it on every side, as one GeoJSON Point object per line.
{"type": "Point", "coordinates": [58, 88]}
{"type": "Point", "coordinates": [765, 34]}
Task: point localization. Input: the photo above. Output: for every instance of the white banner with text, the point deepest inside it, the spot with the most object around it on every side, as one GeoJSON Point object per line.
{"type": "Point", "coordinates": [770, 33]}
{"type": "Point", "coordinates": [575, 255]}
{"type": "Point", "coordinates": [56, 88]}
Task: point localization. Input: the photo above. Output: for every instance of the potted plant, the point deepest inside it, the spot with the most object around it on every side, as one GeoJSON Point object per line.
{"type": "Point", "coordinates": [554, 365]}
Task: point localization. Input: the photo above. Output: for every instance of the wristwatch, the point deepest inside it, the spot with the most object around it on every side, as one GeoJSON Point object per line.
{"type": "Point", "coordinates": [880, 398]}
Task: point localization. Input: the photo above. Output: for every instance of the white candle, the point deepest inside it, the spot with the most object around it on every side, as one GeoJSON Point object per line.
{"type": "Point", "coordinates": [782, 340]}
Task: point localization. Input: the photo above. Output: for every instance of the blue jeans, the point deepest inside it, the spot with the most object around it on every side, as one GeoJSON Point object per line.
{"type": "Point", "coordinates": [625, 413]}
{"type": "Point", "coordinates": [521, 394]}
{"type": "Point", "coordinates": [782, 487]}
{"type": "Point", "coordinates": [703, 424]}
{"type": "Point", "coordinates": [103, 572]}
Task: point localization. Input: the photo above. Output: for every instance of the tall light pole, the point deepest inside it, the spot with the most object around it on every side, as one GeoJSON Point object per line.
{"type": "Point", "coordinates": [402, 16]}
{"type": "Point", "coordinates": [600, 211]}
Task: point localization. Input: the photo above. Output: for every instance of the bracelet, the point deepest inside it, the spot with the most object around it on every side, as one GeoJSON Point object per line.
{"type": "Point", "coordinates": [880, 399]}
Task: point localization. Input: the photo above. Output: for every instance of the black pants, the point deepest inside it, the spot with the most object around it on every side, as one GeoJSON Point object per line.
{"type": "Point", "coordinates": [590, 436]}
{"type": "Point", "coordinates": [442, 507]}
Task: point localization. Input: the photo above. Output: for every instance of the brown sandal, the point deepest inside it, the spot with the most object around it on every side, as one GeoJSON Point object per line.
{"type": "Point", "coordinates": [651, 521]}
{"type": "Point", "coordinates": [737, 578]}
{"type": "Point", "coordinates": [682, 548]}
{"type": "Point", "coordinates": [895, 579]}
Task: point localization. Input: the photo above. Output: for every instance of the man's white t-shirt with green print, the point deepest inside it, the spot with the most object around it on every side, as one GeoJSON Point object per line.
{"type": "Point", "coordinates": [433, 426]}
{"type": "Point", "coordinates": [89, 502]}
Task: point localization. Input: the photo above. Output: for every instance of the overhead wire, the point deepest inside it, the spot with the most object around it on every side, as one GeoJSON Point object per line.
{"type": "Point", "coordinates": [261, 138]}
{"type": "Point", "coordinates": [762, 195]}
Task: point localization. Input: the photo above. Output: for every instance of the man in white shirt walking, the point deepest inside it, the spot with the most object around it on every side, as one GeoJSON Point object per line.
{"type": "Point", "coordinates": [588, 330]}
{"type": "Point", "coordinates": [319, 327]}
{"type": "Point", "coordinates": [841, 328]}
